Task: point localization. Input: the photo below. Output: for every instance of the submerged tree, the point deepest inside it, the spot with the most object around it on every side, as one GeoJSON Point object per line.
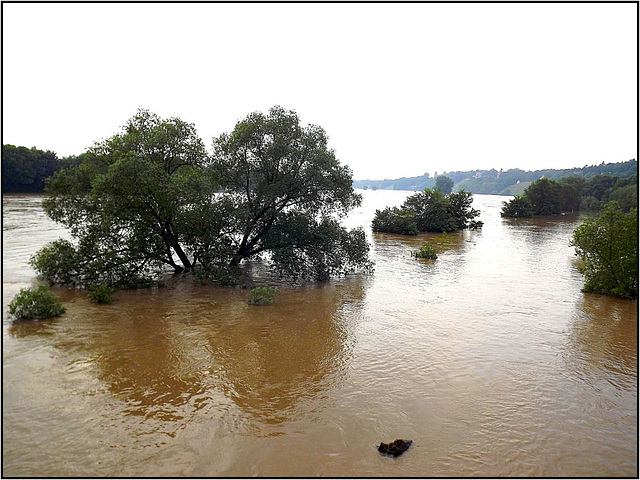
{"type": "Point", "coordinates": [428, 211]}
{"type": "Point", "coordinates": [150, 197]}
{"type": "Point", "coordinates": [608, 245]}
{"type": "Point", "coordinates": [288, 191]}
{"type": "Point", "coordinates": [124, 205]}
{"type": "Point", "coordinates": [519, 206]}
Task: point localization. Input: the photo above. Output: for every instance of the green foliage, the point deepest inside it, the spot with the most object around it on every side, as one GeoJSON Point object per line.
{"type": "Point", "coordinates": [395, 220]}
{"type": "Point", "coordinates": [58, 263]}
{"type": "Point", "coordinates": [626, 196]}
{"type": "Point", "coordinates": [571, 194]}
{"type": "Point", "coordinates": [122, 203]}
{"type": "Point", "coordinates": [426, 251]}
{"type": "Point", "coordinates": [25, 169]}
{"type": "Point", "coordinates": [444, 184]}
{"type": "Point", "coordinates": [608, 245]}
{"type": "Point", "coordinates": [262, 295]}
{"type": "Point", "coordinates": [545, 197]}
{"type": "Point", "coordinates": [101, 293]}
{"type": "Point", "coordinates": [444, 239]}
{"type": "Point", "coordinates": [600, 187]}
{"type": "Point", "coordinates": [431, 209]}
{"type": "Point", "coordinates": [519, 206]}
{"type": "Point", "coordinates": [460, 209]}
{"type": "Point", "coordinates": [287, 188]}
{"type": "Point", "coordinates": [317, 249]}
{"type": "Point", "coordinates": [590, 204]}
{"type": "Point", "coordinates": [35, 303]}
{"type": "Point", "coordinates": [151, 198]}
{"type": "Point", "coordinates": [428, 211]}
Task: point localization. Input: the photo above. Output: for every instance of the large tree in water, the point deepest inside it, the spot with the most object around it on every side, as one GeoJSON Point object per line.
{"type": "Point", "coordinates": [151, 197]}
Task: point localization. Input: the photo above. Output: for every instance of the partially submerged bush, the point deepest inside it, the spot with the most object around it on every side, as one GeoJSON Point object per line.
{"type": "Point", "coordinates": [428, 211]}
{"type": "Point", "coordinates": [262, 295]}
{"type": "Point", "coordinates": [395, 220]}
{"type": "Point", "coordinates": [57, 263]}
{"type": "Point", "coordinates": [426, 251]}
{"type": "Point", "coordinates": [35, 303]}
{"type": "Point", "coordinates": [101, 293]}
{"type": "Point", "coordinates": [608, 247]}
{"type": "Point", "coordinates": [519, 206]}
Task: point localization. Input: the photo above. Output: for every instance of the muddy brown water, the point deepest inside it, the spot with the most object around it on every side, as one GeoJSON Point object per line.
{"type": "Point", "coordinates": [489, 358]}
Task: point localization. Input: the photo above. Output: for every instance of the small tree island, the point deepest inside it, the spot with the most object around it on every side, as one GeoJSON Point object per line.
{"type": "Point", "coordinates": [152, 198]}
{"type": "Point", "coordinates": [428, 211]}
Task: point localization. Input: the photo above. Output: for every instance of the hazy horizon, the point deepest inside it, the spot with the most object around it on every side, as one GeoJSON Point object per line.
{"type": "Point", "coordinates": [444, 172]}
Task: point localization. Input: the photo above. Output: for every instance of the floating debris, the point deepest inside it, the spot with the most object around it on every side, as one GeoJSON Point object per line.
{"type": "Point", "coordinates": [395, 448]}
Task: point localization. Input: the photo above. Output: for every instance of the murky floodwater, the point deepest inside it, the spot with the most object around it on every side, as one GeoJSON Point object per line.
{"type": "Point", "coordinates": [489, 358]}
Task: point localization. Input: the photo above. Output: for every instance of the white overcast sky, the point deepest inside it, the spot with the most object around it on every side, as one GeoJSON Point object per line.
{"type": "Point", "coordinates": [401, 89]}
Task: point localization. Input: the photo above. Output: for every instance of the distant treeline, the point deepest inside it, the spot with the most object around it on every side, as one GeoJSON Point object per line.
{"type": "Point", "coordinates": [24, 170]}
{"type": "Point", "coordinates": [572, 194]}
{"type": "Point", "coordinates": [498, 182]}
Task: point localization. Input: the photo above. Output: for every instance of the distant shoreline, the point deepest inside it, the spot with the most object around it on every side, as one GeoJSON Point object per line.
{"type": "Point", "coordinates": [498, 182]}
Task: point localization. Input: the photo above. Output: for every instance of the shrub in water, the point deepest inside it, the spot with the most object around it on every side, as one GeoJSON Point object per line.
{"type": "Point", "coordinates": [35, 303]}
{"type": "Point", "coordinates": [262, 295]}
{"type": "Point", "coordinates": [519, 206]}
{"type": "Point", "coordinates": [101, 293]}
{"type": "Point", "coordinates": [426, 251]}
{"type": "Point", "coordinates": [395, 220]}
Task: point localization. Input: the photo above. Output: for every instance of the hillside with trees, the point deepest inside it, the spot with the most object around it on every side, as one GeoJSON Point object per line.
{"type": "Point", "coordinates": [499, 182]}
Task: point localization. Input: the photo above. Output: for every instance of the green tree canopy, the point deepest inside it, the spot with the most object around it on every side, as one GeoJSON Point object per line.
{"type": "Point", "coordinates": [428, 211]}
{"type": "Point", "coordinates": [25, 169]}
{"type": "Point", "coordinates": [125, 201]}
{"type": "Point", "coordinates": [288, 190]}
{"type": "Point", "coordinates": [545, 196]}
{"type": "Point", "coordinates": [444, 184]}
{"type": "Point", "coordinates": [151, 197]}
{"type": "Point", "coordinates": [519, 206]}
{"type": "Point", "coordinates": [608, 245]}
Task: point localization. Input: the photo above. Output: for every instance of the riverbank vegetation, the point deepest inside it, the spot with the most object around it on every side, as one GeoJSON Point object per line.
{"type": "Point", "coordinates": [573, 194]}
{"type": "Point", "coordinates": [26, 170]}
{"type": "Point", "coordinates": [151, 198]}
{"type": "Point", "coordinates": [428, 211]}
{"type": "Point", "coordinates": [608, 247]}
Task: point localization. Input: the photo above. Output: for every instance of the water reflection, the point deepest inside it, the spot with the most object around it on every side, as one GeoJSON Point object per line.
{"type": "Point", "coordinates": [603, 340]}
{"type": "Point", "coordinates": [443, 241]}
{"type": "Point", "coordinates": [168, 353]}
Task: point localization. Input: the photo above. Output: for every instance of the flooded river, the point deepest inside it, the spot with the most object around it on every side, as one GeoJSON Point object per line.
{"type": "Point", "coordinates": [489, 358]}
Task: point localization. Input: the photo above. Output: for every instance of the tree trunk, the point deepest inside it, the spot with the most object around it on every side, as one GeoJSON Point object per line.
{"type": "Point", "coordinates": [243, 252]}
{"type": "Point", "coordinates": [176, 268]}
{"type": "Point", "coordinates": [183, 258]}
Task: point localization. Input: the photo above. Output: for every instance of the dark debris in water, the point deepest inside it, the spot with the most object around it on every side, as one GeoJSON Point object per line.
{"type": "Point", "coordinates": [395, 448]}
